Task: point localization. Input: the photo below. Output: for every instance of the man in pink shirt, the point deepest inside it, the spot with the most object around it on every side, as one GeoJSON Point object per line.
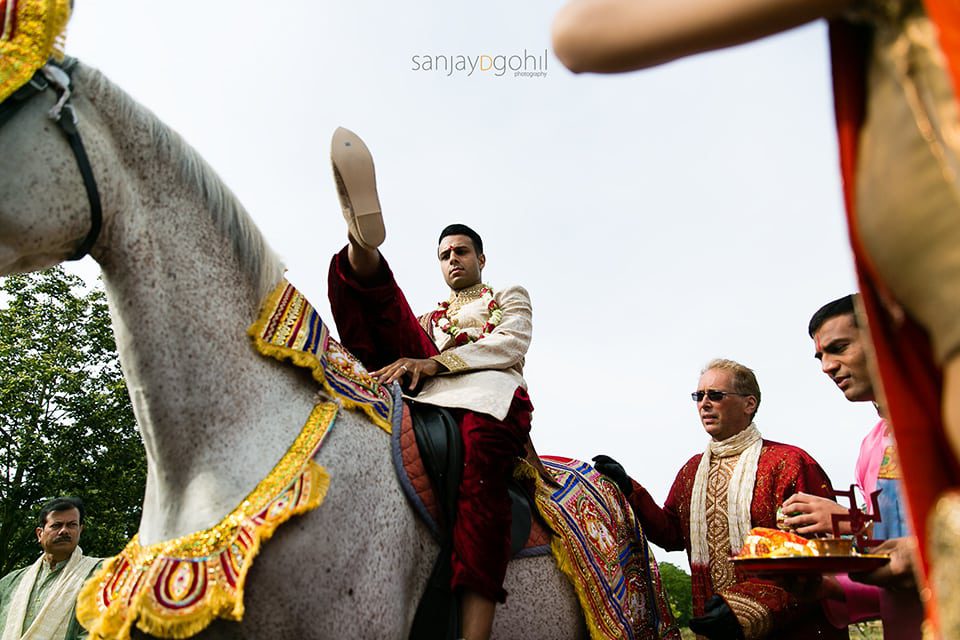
{"type": "Point", "coordinates": [841, 350]}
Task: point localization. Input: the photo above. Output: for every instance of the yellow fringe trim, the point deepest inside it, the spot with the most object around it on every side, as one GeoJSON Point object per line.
{"type": "Point", "coordinates": [304, 359]}
{"type": "Point", "coordinates": [40, 32]}
{"type": "Point", "coordinates": [203, 574]}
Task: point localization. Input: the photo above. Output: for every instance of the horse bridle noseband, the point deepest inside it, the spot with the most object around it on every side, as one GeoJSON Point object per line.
{"type": "Point", "coordinates": [56, 77]}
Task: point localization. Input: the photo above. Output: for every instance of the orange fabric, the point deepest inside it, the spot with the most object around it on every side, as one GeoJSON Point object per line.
{"type": "Point", "coordinates": [910, 378]}
{"type": "Point", "coordinates": [946, 15]}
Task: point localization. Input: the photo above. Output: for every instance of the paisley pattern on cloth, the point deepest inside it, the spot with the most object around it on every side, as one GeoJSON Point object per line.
{"type": "Point", "coordinates": [603, 551]}
{"type": "Point", "coordinates": [174, 589]}
{"type": "Point", "coordinates": [289, 328]}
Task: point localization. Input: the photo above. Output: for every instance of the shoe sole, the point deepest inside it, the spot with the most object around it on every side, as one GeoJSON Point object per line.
{"type": "Point", "coordinates": [357, 186]}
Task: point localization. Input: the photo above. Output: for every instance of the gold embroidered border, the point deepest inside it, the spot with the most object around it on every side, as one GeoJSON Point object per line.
{"type": "Point", "coordinates": [312, 362]}
{"type": "Point", "coordinates": [451, 361]}
{"type": "Point", "coordinates": [722, 573]}
{"type": "Point", "coordinates": [205, 572]}
{"type": "Point", "coordinates": [589, 561]}
{"type": "Point", "coordinates": [752, 616]}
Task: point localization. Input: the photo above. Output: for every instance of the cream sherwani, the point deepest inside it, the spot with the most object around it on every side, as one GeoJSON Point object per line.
{"type": "Point", "coordinates": [483, 375]}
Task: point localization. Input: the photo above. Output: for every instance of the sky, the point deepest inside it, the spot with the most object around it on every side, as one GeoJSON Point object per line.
{"type": "Point", "coordinates": [659, 219]}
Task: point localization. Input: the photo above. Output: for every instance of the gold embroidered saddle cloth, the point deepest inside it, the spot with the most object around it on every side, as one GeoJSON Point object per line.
{"type": "Point", "coordinates": [600, 546]}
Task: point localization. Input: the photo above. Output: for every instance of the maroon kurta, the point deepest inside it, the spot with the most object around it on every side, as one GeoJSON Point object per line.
{"type": "Point", "coordinates": [781, 471]}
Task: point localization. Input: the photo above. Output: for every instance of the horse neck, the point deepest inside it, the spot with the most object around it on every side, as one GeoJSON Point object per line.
{"type": "Point", "coordinates": [215, 416]}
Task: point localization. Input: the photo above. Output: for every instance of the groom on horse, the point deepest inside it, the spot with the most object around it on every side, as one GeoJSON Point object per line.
{"type": "Point", "coordinates": [466, 355]}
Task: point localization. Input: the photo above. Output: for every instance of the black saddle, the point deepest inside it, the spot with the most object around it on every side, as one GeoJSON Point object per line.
{"type": "Point", "coordinates": [441, 450]}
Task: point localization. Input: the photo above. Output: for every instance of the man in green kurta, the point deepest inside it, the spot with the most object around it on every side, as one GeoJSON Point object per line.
{"type": "Point", "coordinates": [38, 602]}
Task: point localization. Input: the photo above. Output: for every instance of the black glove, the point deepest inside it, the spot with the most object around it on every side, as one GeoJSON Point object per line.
{"type": "Point", "coordinates": [615, 471]}
{"type": "Point", "coordinates": [718, 621]}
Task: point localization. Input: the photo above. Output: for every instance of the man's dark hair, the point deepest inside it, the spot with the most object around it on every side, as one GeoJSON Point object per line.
{"type": "Point", "coordinates": [839, 307]}
{"type": "Point", "coordinates": [462, 230]}
{"type": "Point", "coordinates": [62, 503]}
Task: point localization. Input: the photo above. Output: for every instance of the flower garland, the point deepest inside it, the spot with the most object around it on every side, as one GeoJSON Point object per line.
{"type": "Point", "coordinates": [440, 317]}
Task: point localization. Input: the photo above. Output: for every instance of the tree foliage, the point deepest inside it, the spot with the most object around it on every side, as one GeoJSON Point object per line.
{"type": "Point", "coordinates": [66, 423]}
{"type": "Point", "coordinates": [676, 582]}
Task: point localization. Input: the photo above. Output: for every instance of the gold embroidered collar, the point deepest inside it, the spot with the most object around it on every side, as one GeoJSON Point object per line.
{"type": "Point", "coordinates": [459, 298]}
{"type": "Point", "coordinates": [469, 293]}
{"type": "Point", "coordinates": [175, 588]}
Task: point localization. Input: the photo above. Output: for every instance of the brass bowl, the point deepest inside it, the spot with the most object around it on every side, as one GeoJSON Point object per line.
{"type": "Point", "coordinates": [832, 546]}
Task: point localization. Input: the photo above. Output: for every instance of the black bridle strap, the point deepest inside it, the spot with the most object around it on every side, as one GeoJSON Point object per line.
{"type": "Point", "coordinates": [66, 119]}
{"type": "Point", "coordinates": [69, 127]}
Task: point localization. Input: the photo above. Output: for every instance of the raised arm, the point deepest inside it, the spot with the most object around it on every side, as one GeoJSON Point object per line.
{"type": "Point", "coordinates": [612, 36]}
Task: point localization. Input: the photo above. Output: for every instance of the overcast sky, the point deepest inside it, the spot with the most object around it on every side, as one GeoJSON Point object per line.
{"type": "Point", "coordinates": [659, 219]}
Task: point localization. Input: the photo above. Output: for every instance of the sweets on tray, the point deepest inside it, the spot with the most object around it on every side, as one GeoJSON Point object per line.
{"type": "Point", "coordinates": [763, 542]}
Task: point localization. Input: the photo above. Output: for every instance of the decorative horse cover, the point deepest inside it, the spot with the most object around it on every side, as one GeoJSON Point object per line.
{"type": "Point", "coordinates": [601, 547]}
{"type": "Point", "coordinates": [176, 588]}
{"type": "Point", "coordinates": [290, 328]}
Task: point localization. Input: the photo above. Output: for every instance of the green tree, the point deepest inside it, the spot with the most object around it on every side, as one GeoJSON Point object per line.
{"type": "Point", "coordinates": [676, 582]}
{"type": "Point", "coordinates": [66, 423]}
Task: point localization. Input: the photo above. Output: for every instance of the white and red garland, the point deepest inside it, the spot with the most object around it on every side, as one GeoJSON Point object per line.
{"type": "Point", "coordinates": [449, 326]}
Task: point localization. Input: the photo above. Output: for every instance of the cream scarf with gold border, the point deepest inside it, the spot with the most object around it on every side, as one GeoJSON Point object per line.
{"type": "Point", "coordinates": [54, 616]}
{"type": "Point", "coordinates": [747, 445]}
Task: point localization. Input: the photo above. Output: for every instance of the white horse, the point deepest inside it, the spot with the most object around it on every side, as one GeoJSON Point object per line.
{"type": "Point", "coordinates": [185, 273]}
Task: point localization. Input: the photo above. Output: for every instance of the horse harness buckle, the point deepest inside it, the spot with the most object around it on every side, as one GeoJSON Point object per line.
{"type": "Point", "coordinates": [60, 80]}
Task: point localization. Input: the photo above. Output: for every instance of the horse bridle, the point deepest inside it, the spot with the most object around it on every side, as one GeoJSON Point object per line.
{"type": "Point", "coordinates": [56, 77]}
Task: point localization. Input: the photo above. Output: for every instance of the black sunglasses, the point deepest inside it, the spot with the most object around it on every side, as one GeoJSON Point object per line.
{"type": "Point", "coordinates": [713, 395]}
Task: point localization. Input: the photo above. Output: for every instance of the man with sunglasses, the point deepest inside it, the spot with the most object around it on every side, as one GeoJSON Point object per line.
{"type": "Point", "coordinates": [841, 348]}
{"type": "Point", "coordinates": [738, 483]}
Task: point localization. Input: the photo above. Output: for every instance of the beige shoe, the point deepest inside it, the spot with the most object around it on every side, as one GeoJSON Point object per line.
{"type": "Point", "coordinates": [357, 187]}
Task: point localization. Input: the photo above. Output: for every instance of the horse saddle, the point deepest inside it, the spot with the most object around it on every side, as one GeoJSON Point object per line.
{"type": "Point", "coordinates": [430, 467]}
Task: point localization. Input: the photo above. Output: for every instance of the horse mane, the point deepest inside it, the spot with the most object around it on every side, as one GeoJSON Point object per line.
{"type": "Point", "coordinates": [256, 257]}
